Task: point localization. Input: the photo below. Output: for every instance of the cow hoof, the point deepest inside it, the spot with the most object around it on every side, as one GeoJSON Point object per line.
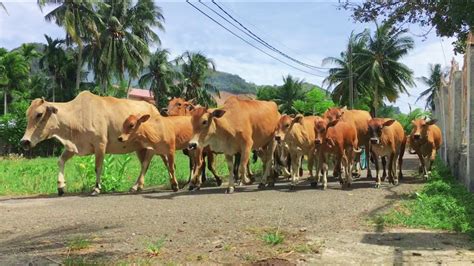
{"type": "Point", "coordinates": [261, 186]}
{"type": "Point", "coordinates": [395, 182]}
{"type": "Point", "coordinates": [191, 188]}
{"type": "Point", "coordinates": [60, 191]}
{"type": "Point", "coordinates": [175, 187]}
{"type": "Point", "coordinates": [229, 190]}
{"type": "Point", "coordinates": [425, 177]}
{"type": "Point", "coordinates": [292, 187]}
{"type": "Point", "coordinates": [95, 192]}
{"type": "Point", "coordinates": [314, 184]}
{"type": "Point", "coordinates": [377, 185]}
{"type": "Point", "coordinates": [132, 190]}
{"type": "Point", "coordinates": [325, 187]}
{"type": "Point", "coordinates": [238, 183]}
{"type": "Point", "coordinates": [218, 182]}
{"type": "Point", "coordinates": [271, 184]}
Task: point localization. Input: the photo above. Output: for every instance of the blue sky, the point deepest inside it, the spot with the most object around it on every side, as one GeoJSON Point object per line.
{"type": "Point", "coordinates": [308, 31]}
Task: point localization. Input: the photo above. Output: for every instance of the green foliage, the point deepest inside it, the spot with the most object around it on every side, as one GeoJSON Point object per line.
{"type": "Point", "coordinates": [273, 238]}
{"type": "Point", "coordinates": [389, 111]}
{"type": "Point", "coordinates": [449, 18]}
{"type": "Point", "coordinates": [153, 248]}
{"type": "Point", "coordinates": [267, 93]}
{"type": "Point", "coordinates": [443, 203]}
{"type": "Point", "coordinates": [406, 119]}
{"type": "Point", "coordinates": [231, 83]}
{"type": "Point", "coordinates": [434, 86]}
{"type": "Point", "coordinates": [13, 124]}
{"type": "Point", "coordinates": [315, 102]}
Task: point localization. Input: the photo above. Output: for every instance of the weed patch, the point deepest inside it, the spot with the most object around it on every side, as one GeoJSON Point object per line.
{"type": "Point", "coordinates": [78, 243]}
{"type": "Point", "coordinates": [153, 248]}
{"type": "Point", "coordinates": [273, 238]}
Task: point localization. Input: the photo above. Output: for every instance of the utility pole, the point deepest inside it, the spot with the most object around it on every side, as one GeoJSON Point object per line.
{"type": "Point", "coordinates": [351, 80]}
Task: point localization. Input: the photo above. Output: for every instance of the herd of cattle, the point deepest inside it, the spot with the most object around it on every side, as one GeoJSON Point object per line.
{"type": "Point", "coordinates": [92, 124]}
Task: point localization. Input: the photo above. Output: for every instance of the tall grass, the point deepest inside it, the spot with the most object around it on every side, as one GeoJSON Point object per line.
{"type": "Point", "coordinates": [20, 176]}
{"type": "Point", "coordinates": [443, 203]}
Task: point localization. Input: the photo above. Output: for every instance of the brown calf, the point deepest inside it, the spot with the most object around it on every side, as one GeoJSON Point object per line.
{"type": "Point", "coordinates": [298, 134]}
{"type": "Point", "coordinates": [164, 135]}
{"type": "Point", "coordinates": [359, 119]}
{"type": "Point", "coordinates": [425, 140]}
{"type": "Point", "coordinates": [338, 138]}
{"type": "Point", "coordinates": [387, 138]}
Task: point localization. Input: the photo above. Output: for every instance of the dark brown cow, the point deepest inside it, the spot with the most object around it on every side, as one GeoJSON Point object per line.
{"type": "Point", "coordinates": [240, 126]}
{"type": "Point", "coordinates": [387, 138]}
{"type": "Point", "coordinates": [338, 138]}
{"type": "Point", "coordinates": [425, 140]}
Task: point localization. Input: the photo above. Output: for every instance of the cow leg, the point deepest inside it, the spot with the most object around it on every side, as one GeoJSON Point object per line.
{"type": "Point", "coordinates": [423, 165]}
{"type": "Point", "coordinates": [378, 181]}
{"type": "Point", "coordinates": [99, 161]}
{"type": "Point", "coordinates": [347, 167]}
{"type": "Point", "coordinates": [391, 160]}
{"type": "Point", "coordinates": [65, 156]}
{"type": "Point", "coordinates": [171, 171]}
{"type": "Point", "coordinates": [196, 180]}
{"type": "Point", "coordinates": [295, 166]}
{"type": "Point", "coordinates": [368, 152]}
{"type": "Point", "coordinates": [230, 165]}
{"type": "Point", "coordinates": [235, 168]}
{"type": "Point", "coordinates": [432, 159]}
{"type": "Point", "coordinates": [144, 156]}
{"type": "Point", "coordinates": [267, 163]}
{"type": "Point", "coordinates": [384, 167]}
{"type": "Point", "coordinates": [244, 160]}
{"type": "Point", "coordinates": [311, 164]}
{"type": "Point", "coordinates": [211, 166]}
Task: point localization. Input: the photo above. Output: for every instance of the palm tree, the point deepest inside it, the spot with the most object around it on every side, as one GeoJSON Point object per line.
{"type": "Point", "coordinates": [160, 76]}
{"type": "Point", "coordinates": [79, 20]}
{"type": "Point", "coordinates": [379, 66]}
{"type": "Point", "coordinates": [339, 75]}
{"type": "Point", "coordinates": [125, 32]}
{"type": "Point", "coordinates": [28, 50]}
{"type": "Point", "coordinates": [53, 60]}
{"type": "Point", "coordinates": [434, 86]}
{"type": "Point", "coordinates": [288, 93]}
{"type": "Point", "coordinates": [195, 68]}
{"type": "Point", "coordinates": [14, 70]}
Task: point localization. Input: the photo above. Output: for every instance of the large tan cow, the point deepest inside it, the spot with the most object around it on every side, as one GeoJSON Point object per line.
{"type": "Point", "coordinates": [164, 135]}
{"type": "Point", "coordinates": [387, 138]}
{"type": "Point", "coordinates": [340, 139]}
{"type": "Point", "coordinates": [298, 134]}
{"type": "Point", "coordinates": [359, 119]}
{"type": "Point", "coordinates": [425, 140]}
{"type": "Point", "coordinates": [240, 126]}
{"type": "Point", "coordinates": [181, 107]}
{"type": "Point", "coordinates": [89, 124]}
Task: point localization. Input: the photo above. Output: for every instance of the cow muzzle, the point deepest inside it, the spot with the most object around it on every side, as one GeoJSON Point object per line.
{"type": "Point", "coordinates": [122, 138]}
{"type": "Point", "coordinates": [25, 144]}
{"type": "Point", "coordinates": [417, 136]}
{"type": "Point", "coordinates": [318, 142]}
{"type": "Point", "coordinates": [278, 139]}
{"type": "Point", "coordinates": [192, 146]}
{"type": "Point", "coordinates": [374, 141]}
{"type": "Point", "coordinates": [164, 112]}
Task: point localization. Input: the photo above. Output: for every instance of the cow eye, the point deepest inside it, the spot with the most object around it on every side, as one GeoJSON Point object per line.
{"type": "Point", "coordinates": [287, 125]}
{"type": "Point", "coordinates": [204, 122]}
{"type": "Point", "coordinates": [131, 125]}
{"type": "Point", "coordinates": [178, 104]}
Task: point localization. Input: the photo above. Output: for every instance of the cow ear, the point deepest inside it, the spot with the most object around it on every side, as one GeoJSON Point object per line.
{"type": "Point", "coordinates": [388, 123]}
{"type": "Point", "coordinates": [431, 122]}
{"type": "Point", "coordinates": [143, 118]}
{"type": "Point", "coordinates": [218, 113]}
{"type": "Point", "coordinates": [298, 118]}
{"type": "Point", "coordinates": [52, 110]}
{"type": "Point", "coordinates": [332, 123]}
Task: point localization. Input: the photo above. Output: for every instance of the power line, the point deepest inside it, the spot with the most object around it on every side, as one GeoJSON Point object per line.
{"type": "Point", "coordinates": [264, 42]}
{"type": "Point", "coordinates": [249, 43]}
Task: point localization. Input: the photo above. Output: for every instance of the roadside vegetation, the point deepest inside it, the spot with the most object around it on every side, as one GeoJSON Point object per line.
{"type": "Point", "coordinates": [443, 203]}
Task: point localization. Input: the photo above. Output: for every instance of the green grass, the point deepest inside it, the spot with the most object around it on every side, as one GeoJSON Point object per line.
{"type": "Point", "coordinates": [78, 243]}
{"type": "Point", "coordinates": [153, 248]}
{"type": "Point", "coordinates": [443, 203]}
{"type": "Point", "coordinates": [273, 238]}
{"type": "Point", "coordinates": [20, 176]}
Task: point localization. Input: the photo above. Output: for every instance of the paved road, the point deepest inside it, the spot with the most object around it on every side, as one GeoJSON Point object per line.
{"type": "Point", "coordinates": [208, 226]}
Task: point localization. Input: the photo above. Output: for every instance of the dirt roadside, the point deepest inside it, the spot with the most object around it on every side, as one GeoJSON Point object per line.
{"type": "Point", "coordinates": [209, 227]}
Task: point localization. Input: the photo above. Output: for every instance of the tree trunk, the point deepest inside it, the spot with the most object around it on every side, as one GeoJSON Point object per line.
{"type": "Point", "coordinates": [376, 101]}
{"type": "Point", "coordinates": [79, 68]}
{"type": "Point", "coordinates": [5, 109]}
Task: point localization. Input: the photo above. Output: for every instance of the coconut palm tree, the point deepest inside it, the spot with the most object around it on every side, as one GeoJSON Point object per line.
{"type": "Point", "coordinates": [29, 52]}
{"type": "Point", "coordinates": [160, 76]}
{"type": "Point", "coordinates": [379, 64]}
{"type": "Point", "coordinates": [79, 20]}
{"type": "Point", "coordinates": [125, 33]}
{"type": "Point", "coordinates": [195, 68]}
{"type": "Point", "coordinates": [288, 93]}
{"type": "Point", "coordinates": [434, 86]}
{"type": "Point", "coordinates": [14, 70]}
{"type": "Point", "coordinates": [53, 60]}
{"type": "Point", "coordinates": [338, 77]}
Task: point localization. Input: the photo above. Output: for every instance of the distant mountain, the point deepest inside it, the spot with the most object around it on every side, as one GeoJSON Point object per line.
{"type": "Point", "coordinates": [231, 83]}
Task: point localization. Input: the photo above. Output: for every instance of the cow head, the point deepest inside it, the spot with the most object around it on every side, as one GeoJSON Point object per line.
{"type": "Point", "coordinates": [376, 126]}
{"type": "Point", "coordinates": [334, 113]}
{"type": "Point", "coordinates": [204, 125]}
{"type": "Point", "coordinates": [420, 128]}
{"type": "Point", "coordinates": [131, 126]}
{"type": "Point", "coordinates": [321, 126]}
{"type": "Point", "coordinates": [41, 125]}
{"type": "Point", "coordinates": [178, 106]}
{"type": "Point", "coordinates": [284, 126]}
